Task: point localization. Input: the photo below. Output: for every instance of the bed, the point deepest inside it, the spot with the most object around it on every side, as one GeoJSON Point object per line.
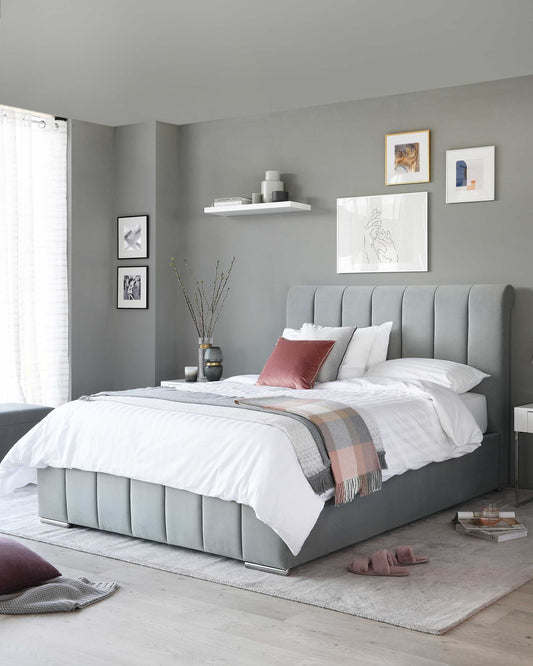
{"type": "Point", "coordinates": [463, 323]}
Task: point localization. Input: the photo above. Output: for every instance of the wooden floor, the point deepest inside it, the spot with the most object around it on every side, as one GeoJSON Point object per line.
{"type": "Point", "coordinates": [159, 618]}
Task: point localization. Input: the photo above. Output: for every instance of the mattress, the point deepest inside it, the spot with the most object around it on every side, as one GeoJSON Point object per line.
{"type": "Point", "coordinates": [476, 403]}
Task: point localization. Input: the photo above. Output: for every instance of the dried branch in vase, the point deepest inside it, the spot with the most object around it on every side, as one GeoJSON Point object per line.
{"type": "Point", "coordinates": [204, 305]}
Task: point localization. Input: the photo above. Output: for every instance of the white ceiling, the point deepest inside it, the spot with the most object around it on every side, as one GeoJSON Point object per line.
{"type": "Point", "coordinates": [124, 61]}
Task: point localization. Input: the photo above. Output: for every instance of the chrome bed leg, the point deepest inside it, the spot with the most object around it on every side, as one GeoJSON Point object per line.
{"type": "Point", "coordinates": [56, 523]}
{"type": "Point", "coordinates": [266, 569]}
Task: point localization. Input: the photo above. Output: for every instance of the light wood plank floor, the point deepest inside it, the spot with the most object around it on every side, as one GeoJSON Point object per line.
{"type": "Point", "coordinates": [159, 618]}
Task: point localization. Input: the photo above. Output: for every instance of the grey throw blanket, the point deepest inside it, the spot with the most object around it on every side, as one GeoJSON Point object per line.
{"type": "Point", "coordinates": [311, 451]}
{"type": "Point", "coordinates": [57, 595]}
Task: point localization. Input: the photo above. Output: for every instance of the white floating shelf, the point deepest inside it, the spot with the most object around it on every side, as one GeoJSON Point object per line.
{"type": "Point", "coordinates": [258, 209]}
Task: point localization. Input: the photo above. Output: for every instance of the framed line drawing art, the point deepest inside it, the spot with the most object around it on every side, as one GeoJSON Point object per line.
{"type": "Point", "coordinates": [386, 233]}
{"type": "Point", "coordinates": [132, 287]}
{"type": "Point", "coordinates": [132, 237]}
{"type": "Point", "coordinates": [407, 158]}
{"type": "Point", "coordinates": [470, 174]}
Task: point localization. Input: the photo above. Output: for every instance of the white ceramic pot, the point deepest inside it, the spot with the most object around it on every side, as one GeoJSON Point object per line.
{"type": "Point", "coordinates": [270, 184]}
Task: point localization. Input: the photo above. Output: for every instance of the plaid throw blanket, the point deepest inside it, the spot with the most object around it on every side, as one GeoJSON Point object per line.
{"type": "Point", "coordinates": [356, 458]}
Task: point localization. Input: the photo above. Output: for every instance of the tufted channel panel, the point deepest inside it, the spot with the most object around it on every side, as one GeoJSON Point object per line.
{"type": "Point", "coordinates": [463, 323]}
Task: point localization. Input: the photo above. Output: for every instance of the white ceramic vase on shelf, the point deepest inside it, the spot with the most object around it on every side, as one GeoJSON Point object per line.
{"type": "Point", "coordinates": [272, 183]}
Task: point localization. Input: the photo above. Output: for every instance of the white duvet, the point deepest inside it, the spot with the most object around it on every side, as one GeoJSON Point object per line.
{"type": "Point", "coordinates": [245, 461]}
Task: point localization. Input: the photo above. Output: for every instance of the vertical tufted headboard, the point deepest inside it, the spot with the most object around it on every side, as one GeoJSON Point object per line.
{"type": "Point", "coordinates": [464, 323]}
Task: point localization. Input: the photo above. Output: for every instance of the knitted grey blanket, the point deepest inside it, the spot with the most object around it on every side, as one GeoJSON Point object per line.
{"type": "Point", "coordinates": [57, 595]}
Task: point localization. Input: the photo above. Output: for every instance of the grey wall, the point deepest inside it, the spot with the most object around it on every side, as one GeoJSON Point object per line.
{"type": "Point", "coordinates": [128, 170]}
{"type": "Point", "coordinates": [167, 243]}
{"type": "Point", "coordinates": [91, 255]}
{"type": "Point", "coordinates": [135, 194]}
{"type": "Point", "coordinates": [337, 151]}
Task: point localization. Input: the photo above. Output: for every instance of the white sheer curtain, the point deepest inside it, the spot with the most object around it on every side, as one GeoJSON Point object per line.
{"type": "Point", "coordinates": [34, 365]}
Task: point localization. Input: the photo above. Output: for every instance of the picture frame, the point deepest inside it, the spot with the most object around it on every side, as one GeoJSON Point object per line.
{"type": "Point", "coordinates": [132, 287]}
{"type": "Point", "coordinates": [384, 233]}
{"type": "Point", "coordinates": [470, 174]}
{"type": "Point", "coordinates": [132, 237]}
{"type": "Point", "coordinates": [407, 157]}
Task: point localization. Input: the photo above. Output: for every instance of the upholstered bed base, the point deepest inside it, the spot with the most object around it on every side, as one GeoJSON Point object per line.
{"type": "Point", "coordinates": [181, 518]}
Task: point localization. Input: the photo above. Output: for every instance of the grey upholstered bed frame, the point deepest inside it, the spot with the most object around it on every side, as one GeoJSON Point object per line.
{"type": "Point", "coordinates": [468, 324]}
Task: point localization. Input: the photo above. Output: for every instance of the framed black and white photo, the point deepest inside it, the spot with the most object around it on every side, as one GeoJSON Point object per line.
{"type": "Point", "coordinates": [132, 237]}
{"type": "Point", "coordinates": [407, 158]}
{"type": "Point", "coordinates": [132, 287]}
{"type": "Point", "coordinates": [382, 234]}
{"type": "Point", "coordinates": [470, 175]}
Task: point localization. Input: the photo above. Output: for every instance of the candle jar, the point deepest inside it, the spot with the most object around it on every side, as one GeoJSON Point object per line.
{"type": "Point", "coordinates": [191, 373]}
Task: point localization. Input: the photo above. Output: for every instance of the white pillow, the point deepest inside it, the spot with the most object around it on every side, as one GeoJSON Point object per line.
{"type": "Point", "coordinates": [342, 336]}
{"type": "Point", "coordinates": [291, 333]}
{"type": "Point", "coordinates": [369, 345]}
{"type": "Point", "coordinates": [378, 353]}
{"type": "Point", "coordinates": [458, 377]}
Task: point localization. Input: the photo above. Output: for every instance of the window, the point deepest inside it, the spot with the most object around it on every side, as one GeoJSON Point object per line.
{"type": "Point", "coordinates": [34, 364]}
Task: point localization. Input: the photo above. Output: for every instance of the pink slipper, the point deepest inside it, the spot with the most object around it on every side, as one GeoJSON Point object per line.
{"type": "Point", "coordinates": [378, 564]}
{"type": "Point", "coordinates": [406, 557]}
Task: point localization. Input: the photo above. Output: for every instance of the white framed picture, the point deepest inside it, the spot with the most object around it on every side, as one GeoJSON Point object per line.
{"type": "Point", "coordinates": [382, 234]}
{"type": "Point", "coordinates": [407, 158]}
{"type": "Point", "coordinates": [132, 287]}
{"type": "Point", "coordinates": [132, 237]}
{"type": "Point", "coordinates": [470, 174]}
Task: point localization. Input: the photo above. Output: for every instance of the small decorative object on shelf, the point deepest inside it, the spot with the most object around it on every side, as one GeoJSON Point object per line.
{"type": "Point", "coordinates": [213, 364]}
{"type": "Point", "coordinates": [280, 195]}
{"type": "Point", "coordinates": [191, 373]}
{"type": "Point", "coordinates": [204, 308]}
{"type": "Point", "coordinates": [232, 201]}
{"type": "Point", "coordinates": [257, 198]}
{"type": "Point", "coordinates": [271, 183]}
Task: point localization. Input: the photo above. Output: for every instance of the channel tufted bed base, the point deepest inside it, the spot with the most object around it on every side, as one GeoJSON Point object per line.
{"type": "Point", "coordinates": [463, 323]}
{"type": "Point", "coordinates": [180, 518]}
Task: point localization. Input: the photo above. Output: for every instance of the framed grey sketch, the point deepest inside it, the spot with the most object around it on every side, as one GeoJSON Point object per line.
{"type": "Point", "coordinates": [132, 287]}
{"type": "Point", "coordinates": [383, 233]}
{"type": "Point", "coordinates": [132, 237]}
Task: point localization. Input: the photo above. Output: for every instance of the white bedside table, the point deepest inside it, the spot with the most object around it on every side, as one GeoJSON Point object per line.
{"type": "Point", "coordinates": [523, 422]}
{"type": "Point", "coordinates": [171, 383]}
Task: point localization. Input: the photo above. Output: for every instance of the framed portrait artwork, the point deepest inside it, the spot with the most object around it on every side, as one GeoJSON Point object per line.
{"type": "Point", "coordinates": [382, 234]}
{"type": "Point", "coordinates": [407, 158]}
{"type": "Point", "coordinates": [470, 174]}
{"type": "Point", "coordinates": [132, 287]}
{"type": "Point", "coordinates": [132, 237]}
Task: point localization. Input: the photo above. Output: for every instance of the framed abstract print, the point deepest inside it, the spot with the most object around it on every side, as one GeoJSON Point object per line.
{"type": "Point", "coordinates": [132, 237]}
{"type": "Point", "coordinates": [470, 174]}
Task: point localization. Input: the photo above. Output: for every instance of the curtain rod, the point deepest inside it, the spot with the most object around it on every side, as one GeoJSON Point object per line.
{"type": "Point", "coordinates": [40, 120]}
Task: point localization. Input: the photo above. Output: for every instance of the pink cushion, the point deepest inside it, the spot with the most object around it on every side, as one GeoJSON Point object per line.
{"type": "Point", "coordinates": [295, 363]}
{"type": "Point", "coordinates": [20, 567]}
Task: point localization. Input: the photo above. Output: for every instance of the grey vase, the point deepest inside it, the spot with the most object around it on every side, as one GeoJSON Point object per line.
{"type": "Point", "coordinates": [213, 364]}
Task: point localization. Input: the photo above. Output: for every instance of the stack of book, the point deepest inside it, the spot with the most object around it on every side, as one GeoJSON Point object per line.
{"type": "Point", "coordinates": [232, 201]}
{"type": "Point", "coordinates": [504, 528]}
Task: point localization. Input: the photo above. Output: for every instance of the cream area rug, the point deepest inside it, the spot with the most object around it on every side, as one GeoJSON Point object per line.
{"type": "Point", "coordinates": [463, 576]}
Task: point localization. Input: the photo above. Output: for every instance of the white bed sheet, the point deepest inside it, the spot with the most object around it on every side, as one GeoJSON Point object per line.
{"type": "Point", "coordinates": [244, 461]}
{"type": "Point", "coordinates": [476, 403]}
